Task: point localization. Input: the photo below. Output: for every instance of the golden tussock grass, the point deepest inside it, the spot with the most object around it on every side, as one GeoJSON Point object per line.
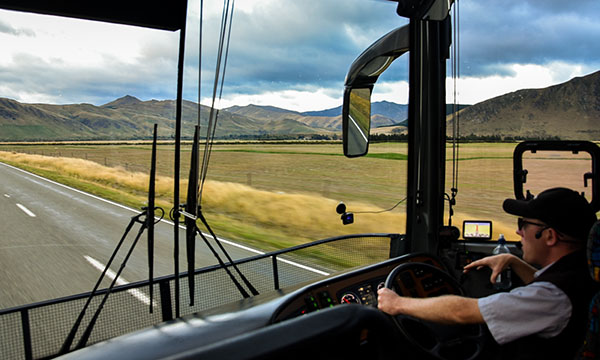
{"type": "Point", "coordinates": [303, 217]}
{"type": "Point", "coordinates": [295, 212]}
{"type": "Point", "coordinates": [91, 171]}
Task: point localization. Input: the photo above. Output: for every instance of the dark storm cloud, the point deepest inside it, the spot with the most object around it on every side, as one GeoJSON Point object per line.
{"type": "Point", "coordinates": [295, 44]}
{"type": "Point", "coordinates": [290, 44]}
{"type": "Point", "coordinates": [497, 33]}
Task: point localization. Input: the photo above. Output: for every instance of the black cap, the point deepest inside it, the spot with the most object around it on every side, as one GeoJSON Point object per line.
{"type": "Point", "coordinates": [562, 209]}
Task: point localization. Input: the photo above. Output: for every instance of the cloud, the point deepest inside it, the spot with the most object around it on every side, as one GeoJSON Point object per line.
{"type": "Point", "coordinates": [73, 61]}
{"type": "Point", "coordinates": [59, 81]}
{"type": "Point", "coordinates": [472, 90]}
{"type": "Point", "coordinates": [281, 46]}
{"type": "Point", "coordinates": [6, 28]}
{"type": "Point", "coordinates": [285, 48]}
{"type": "Point", "coordinates": [494, 34]}
{"type": "Point", "coordinates": [297, 100]}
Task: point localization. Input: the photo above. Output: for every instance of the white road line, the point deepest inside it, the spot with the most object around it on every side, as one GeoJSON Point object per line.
{"type": "Point", "coordinates": [6, 196]}
{"type": "Point", "coordinates": [70, 188]}
{"type": "Point", "coordinates": [359, 129]}
{"type": "Point", "coordinates": [166, 221]}
{"type": "Point", "coordinates": [26, 210]}
{"type": "Point", "coordinates": [120, 281]}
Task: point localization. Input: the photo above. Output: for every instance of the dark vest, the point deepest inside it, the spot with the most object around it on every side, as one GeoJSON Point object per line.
{"type": "Point", "coordinates": [570, 274]}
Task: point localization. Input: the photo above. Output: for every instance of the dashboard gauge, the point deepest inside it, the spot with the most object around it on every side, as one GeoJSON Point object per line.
{"type": "Point", "coordinates": [350, 298]}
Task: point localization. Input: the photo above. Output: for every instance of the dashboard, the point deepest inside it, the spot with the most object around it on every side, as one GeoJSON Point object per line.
{"type": "Point", "coordinates": [333, 311]}
{"type": "Point", "coordinates": [360, 286]}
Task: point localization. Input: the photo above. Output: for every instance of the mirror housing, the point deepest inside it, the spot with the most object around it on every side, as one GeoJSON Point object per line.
{"type": "Point", "coordinates": [424, 9]}
{"type": "Point", "coordinates": [362, 76]}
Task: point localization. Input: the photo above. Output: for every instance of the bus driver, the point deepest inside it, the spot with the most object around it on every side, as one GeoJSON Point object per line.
{"type": "Point", "coordinates": [547, 317]}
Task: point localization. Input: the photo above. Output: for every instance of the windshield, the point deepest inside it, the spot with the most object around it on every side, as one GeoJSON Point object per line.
{"type": "Point", "coordinates": [78, 100]}
{"type": "Point", "coordinates": [77, 113]}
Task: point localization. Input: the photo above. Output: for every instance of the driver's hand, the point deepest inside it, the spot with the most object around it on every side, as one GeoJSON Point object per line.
{"type": "Point", "coordinates": [388, 301]}
{"type": "Point", "coordinates": [497, 263]}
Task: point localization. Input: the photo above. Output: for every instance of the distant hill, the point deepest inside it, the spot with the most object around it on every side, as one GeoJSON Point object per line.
{"type": "Point", "coordinates": [539, 113]}
{"type": "Point", "coordinates": [129, 118]}
{"type": "Point", "coordinates": [383, 113]}
{"type": "Point", "coordinates": [530, 113]}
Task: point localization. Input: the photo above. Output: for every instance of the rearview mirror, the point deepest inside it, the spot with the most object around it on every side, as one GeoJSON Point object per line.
{"type": "Point", "coordinates": [357, 121]}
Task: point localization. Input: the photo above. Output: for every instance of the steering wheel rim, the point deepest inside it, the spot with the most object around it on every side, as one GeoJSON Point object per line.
{"type": "Point", "coordinates": [438, 340]}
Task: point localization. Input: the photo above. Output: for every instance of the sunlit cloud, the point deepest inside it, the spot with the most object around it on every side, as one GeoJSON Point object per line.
{"type": "Point", "coordinates": [296, 100]}
{"type": "Point", "coordinates": [471, 90]}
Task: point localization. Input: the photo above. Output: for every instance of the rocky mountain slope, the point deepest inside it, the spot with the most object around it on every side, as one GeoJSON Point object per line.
{"type": "Point", "coordinates": [570, 110]}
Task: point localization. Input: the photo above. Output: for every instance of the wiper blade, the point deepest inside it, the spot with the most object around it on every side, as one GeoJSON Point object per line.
{"type": "Point", "coordinates": [191, 208]}
{"type": "Point", "coordinates": [150, 216]}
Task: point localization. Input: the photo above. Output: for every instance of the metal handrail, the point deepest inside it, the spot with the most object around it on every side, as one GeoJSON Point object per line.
{"type": "Point", "coordinates": [164, 283]}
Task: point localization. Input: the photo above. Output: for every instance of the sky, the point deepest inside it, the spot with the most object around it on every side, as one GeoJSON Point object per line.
{"type": "Point", "coordinates": [291, 54]}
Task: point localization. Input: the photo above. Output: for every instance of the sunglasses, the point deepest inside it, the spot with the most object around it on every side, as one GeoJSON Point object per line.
{"type": "Point", "coordinates": [522, 222]}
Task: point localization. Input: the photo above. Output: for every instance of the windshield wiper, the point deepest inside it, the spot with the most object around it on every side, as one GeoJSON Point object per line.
{"type": "Point", "coordinates": [150, 217]}
{"type": "Point", "coordinates": [192, 213]}
{"type": "Point", "coordinates": [191, 208]}
{"type": "Point", "coordinates": [147, 223]}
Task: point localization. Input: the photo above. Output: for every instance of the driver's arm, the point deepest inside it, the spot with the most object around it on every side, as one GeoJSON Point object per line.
{"type": "Point", "coordinates": [447, 309]}
{"type": "Point", "coordinates": [500, 262]}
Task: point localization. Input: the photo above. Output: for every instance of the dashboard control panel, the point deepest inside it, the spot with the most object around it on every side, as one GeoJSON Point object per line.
{"type": "Point", "coordinates": [360, 287]}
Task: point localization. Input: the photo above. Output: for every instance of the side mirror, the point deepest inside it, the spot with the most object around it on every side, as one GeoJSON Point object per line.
{"type": "Point", "coordinates": [356, 124]}
{"type": "Point", "coordinates": [363, 74]}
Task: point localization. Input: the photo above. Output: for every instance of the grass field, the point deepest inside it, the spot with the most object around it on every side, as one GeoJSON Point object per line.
{"type": "Point", "coordinates": [278, 195]}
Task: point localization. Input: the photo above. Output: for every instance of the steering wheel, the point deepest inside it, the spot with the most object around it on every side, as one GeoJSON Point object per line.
{"type": "Point", "coordinates": [441, 341]}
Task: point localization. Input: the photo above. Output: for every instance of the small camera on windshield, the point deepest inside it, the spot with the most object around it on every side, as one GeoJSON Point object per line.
{"type": "Point", "coordinates": [347, 218]}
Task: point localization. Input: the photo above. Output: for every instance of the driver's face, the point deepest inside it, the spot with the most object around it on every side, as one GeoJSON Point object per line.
{"type": "Point", "coordinates": [532, 248]}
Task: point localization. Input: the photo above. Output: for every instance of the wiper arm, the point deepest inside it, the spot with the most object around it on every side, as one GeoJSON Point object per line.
{"type": "Point", "coordinates": [191, 214]}
{"type": "Point", "coordinates": [244, 279]}
{"type": "Point", "coordinates": [88, 330]}
{"type": "Point", "coordinates": [67, 344]}
{"type": "Point", "coordinates": [148, 223]}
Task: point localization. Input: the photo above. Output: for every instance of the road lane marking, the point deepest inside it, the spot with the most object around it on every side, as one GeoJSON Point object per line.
{"type": "Point", "coordinates": [26, 210]}
{"type": "Point", "coordinates": [231, 243]}
{"type": "Point", "coordinates": [120, 281]}
{"type": "Point", "coordinates": [70, 188]}
{"type": "Point", "coordinates": [303, 267]}
{"type": "Point", "coordinates": [6, 196]}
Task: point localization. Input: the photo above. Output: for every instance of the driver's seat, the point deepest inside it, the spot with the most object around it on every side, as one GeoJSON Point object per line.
{"type": "Point", "coordinates": [591, 346]}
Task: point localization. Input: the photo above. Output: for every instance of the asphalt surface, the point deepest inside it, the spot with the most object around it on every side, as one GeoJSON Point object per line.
{"type": "Point", "coordinates": [54, 241]}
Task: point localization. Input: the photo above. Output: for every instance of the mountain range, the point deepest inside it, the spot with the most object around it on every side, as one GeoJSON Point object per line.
{"type": "Point", "coordinates": [131, 118]}
{"type": "Point", "coordinates": [525, 113]}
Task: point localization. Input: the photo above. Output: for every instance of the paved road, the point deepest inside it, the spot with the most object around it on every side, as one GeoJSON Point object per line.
{"type": "Point", "coordinates": [54, 240]}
